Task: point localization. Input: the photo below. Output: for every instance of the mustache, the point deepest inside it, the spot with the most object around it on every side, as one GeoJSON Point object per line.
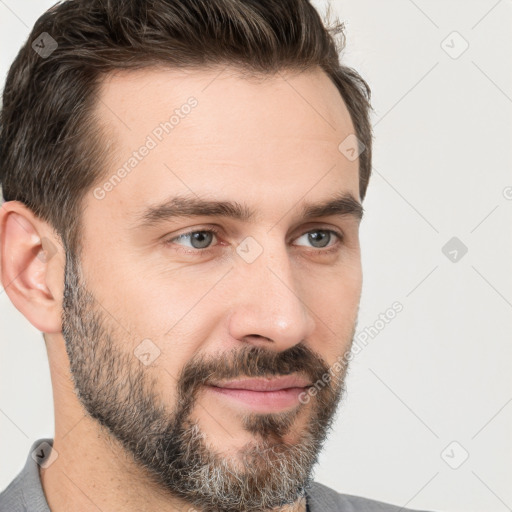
{"type": "Point", "coordinates": [249, 361]}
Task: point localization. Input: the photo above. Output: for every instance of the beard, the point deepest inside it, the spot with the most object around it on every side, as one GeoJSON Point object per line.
{"type": "Point", "coordinates": [119, 392]}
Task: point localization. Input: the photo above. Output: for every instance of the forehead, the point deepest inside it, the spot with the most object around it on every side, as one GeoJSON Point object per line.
{"type": "Point", "coordinates": [215, 133]}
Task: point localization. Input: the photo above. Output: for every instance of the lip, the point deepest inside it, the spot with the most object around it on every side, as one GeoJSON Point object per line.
{"type": "Point", "coordinates": [262, 395]}
{"type": "Point", "coordinates": [264, 384]}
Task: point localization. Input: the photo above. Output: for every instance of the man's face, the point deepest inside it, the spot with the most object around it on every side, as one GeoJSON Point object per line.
{"type": "Point", "coordinates": [251, 279]}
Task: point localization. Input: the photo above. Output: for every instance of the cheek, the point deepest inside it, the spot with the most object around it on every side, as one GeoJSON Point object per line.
{"type": "Point", "coordinates": [152, 304]}
{"type": "Point", "coordinates": [334, 301]}
{"type": "Point", "coordinates": [179, 317]}
{"type": "Point", "coordinates": [338, 287]}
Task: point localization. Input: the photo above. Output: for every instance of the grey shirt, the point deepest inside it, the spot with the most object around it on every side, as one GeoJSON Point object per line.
{"type": "Point", "coordinates": [25, 494]}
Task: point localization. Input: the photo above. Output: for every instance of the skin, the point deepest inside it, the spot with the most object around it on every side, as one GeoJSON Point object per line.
{"type": "Point", "coordinates": [271, 145]}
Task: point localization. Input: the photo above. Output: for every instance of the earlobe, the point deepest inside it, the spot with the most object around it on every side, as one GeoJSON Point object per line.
{"type": "Point", "coordinates": [27, 257]}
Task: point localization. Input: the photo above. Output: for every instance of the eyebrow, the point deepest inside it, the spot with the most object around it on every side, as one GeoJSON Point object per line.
{"type": "Point", "coordinates": [343, 204]}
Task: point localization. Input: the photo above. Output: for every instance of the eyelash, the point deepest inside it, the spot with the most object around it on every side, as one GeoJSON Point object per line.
{"type": "Point", "coordinates": [216, 232]}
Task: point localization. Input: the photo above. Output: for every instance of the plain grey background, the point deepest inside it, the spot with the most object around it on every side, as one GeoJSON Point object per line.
{"type": "Point", "coordinates": [427, 418]}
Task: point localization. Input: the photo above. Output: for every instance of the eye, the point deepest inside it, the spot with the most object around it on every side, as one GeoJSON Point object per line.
{"type": "Point", "coordinates": [195, 239]}
{"type": "Point", "coordinates": [319, 238]}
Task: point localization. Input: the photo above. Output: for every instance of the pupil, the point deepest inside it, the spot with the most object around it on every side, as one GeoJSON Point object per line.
{"type": "Point", "coordinates": [319, 238]}
{"type": "Point", "coordinates": [201, 239]}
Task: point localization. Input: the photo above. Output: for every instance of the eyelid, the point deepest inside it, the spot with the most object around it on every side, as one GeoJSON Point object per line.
{"type": "Point", "coordinates": [216, 231]}
{"type": "Point", "coordinates": [213, 229]}
{"type": "Point", "coordinates": [338, 235]}
{"type": "Point", "coordinates": [329, 229]}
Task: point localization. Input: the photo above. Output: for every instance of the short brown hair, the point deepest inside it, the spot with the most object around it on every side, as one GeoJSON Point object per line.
{"type": "Point", "coordinates": [51, 151]}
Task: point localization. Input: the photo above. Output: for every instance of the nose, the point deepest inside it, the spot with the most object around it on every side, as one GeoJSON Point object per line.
{"type": "Point", "coordinates": [268, 309]}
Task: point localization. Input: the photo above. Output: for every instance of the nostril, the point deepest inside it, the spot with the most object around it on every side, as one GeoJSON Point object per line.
{"type": "Point", "coordinates": [259, 336]}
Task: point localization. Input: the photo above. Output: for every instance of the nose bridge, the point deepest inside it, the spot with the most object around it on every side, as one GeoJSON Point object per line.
{"type": "Point", "coordinates": [269, 304]}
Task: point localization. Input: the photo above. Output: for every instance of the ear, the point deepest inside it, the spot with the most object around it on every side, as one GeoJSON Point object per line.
{"type": "Point", "coordinates": [31, 266]}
